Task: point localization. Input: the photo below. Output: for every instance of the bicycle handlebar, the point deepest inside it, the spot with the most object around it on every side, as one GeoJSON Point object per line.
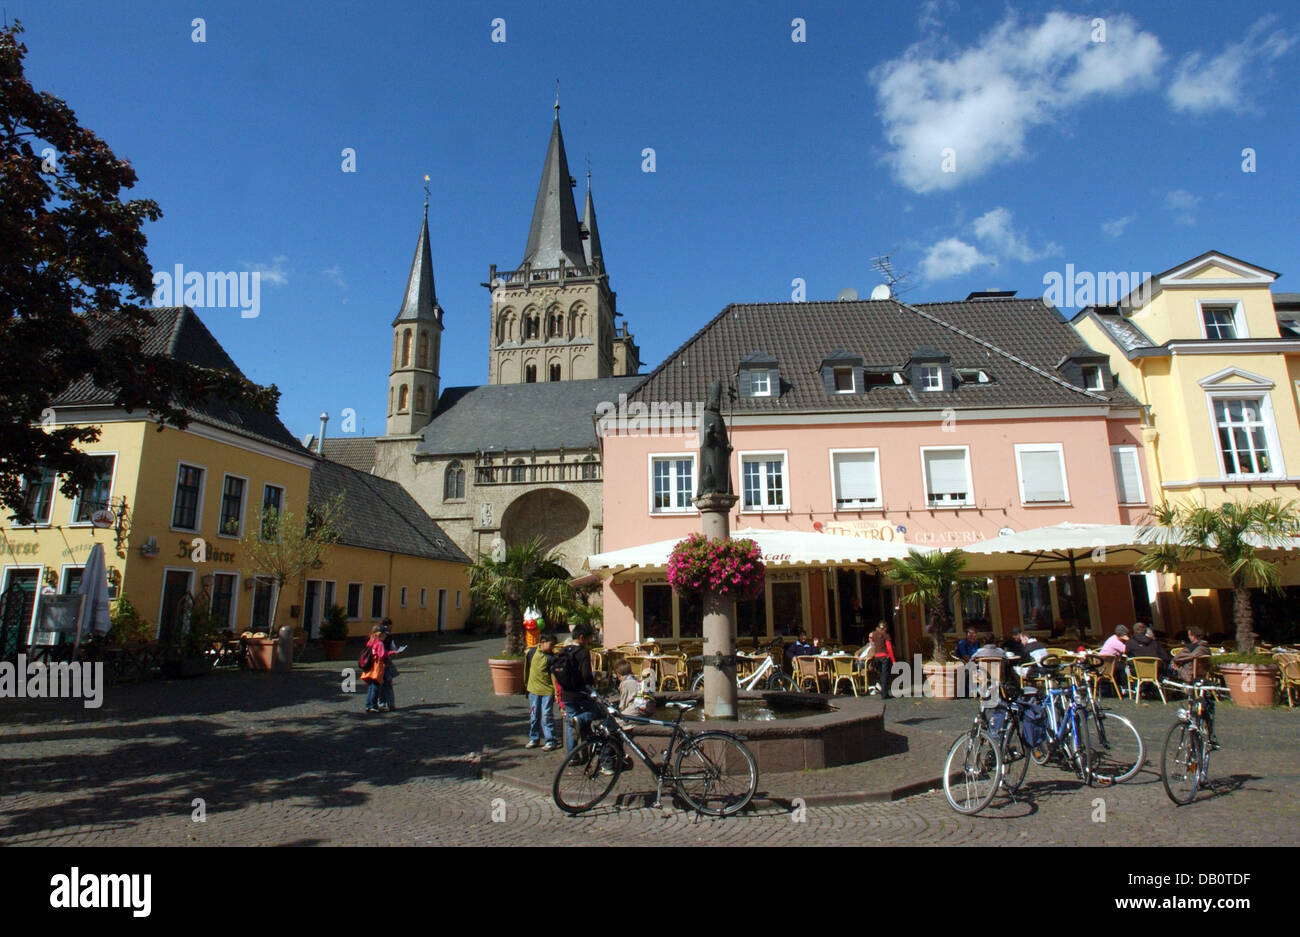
{"type": "Point", "coordinates": [1198, 687]}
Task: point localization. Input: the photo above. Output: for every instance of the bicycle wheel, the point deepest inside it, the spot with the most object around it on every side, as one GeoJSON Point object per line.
{"type": "Point", "coordinates": [1015, 759]}
{"type": "Point", "coordinates": [978, 769]}
{"type": "Point", "coordinates": [780, 680]}
{"type": "Point", "coordinates": [583, 781]}
{"type": "Point", "coordinates": [715, 774]}
{"type": "Point", "coordinates": [698, 683]}
{"type": "Point", "coordinates": [1180, 762]}
{"type": "Point", "coordinates": [1119, 750]}
{"type": "Point", "coordinates": [1080, 749]}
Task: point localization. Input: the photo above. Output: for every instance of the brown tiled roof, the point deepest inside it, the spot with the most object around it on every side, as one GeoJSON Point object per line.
{"type": "Point", "coordinates": [1016, 342]}
{"type": "Point", "coordinates": [180, 334]}
{"type": "Point", "coordinates": [357, 452]}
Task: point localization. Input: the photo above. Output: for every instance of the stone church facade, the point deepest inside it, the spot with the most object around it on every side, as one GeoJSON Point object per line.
{"type": "Point", "coordinates": [517, 457]}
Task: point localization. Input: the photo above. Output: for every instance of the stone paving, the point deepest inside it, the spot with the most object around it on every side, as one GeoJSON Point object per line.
{"type": "Point", "coordinates": [292, 759]}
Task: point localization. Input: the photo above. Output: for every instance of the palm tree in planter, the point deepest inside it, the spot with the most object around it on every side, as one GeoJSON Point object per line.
{"type": "Point", "coordinates": [932, 579]}
{"type": "Point", "coordinates": [526, 575]}
{"type": "Point", "coordinates": [1232, 534]}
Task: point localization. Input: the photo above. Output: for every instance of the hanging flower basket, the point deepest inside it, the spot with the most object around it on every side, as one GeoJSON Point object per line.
{"type": "Point", "coordinates": [699, 566]}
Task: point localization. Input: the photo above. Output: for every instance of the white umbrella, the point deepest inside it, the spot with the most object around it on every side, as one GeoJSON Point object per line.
{"type": "Point", "coordinates": [780, 548]}
{"type": "Point", "coordinates": [1067, 543]}
{"type": "Point", "coordinates": [94, 586]}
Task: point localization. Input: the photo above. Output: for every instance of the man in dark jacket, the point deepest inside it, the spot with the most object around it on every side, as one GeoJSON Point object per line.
{"type": "Point", "coordinates": [575, 693]}
{"type": "Point", "coordinates": [1144, 644]}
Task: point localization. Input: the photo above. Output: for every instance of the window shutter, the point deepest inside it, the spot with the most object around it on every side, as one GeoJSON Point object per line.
{"type": "Point", "coordinates": [946, 473]}
{"type": "Point", "coordinates": [855, 477]}
{"type": "Point", "coordinates": [1127, 481]}
{"type": "Point", "coordinates": [1041, 474]}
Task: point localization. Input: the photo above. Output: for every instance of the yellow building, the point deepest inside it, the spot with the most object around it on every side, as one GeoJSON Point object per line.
{"type": "Point", "coordinates": [393, 560]}
{"type": "Point", "coordinates": [171, 507]}
{"type": "Point", "coordinates": [1216, 364]}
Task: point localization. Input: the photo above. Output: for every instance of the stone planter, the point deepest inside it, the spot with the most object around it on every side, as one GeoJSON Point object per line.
{"type": "Point", "coordinates": [1253, 686]}
{"type": "Point", "coordinates": [259, 653]}
{"type": "Point", "coordinates": [333, 649]}
{"type": "Point", "coordinates": [941, 680]}
{"type": "Point", "coordinates": [507, 676]}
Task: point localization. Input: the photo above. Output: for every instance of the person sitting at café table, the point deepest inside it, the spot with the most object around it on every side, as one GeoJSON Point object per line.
{"type": "Point", "coordinates": [1116, 645]}
{"type": "Point", "coordinates": [1183, 663]}
{"type": "Point", "coordinates": [968, 645]}
{"type": "Point", "coordinates": [799, 648]}
{"type": "Point", "coordinates": [1144, 644]}
{"type": "Point", "coordinates": [1012, 644]}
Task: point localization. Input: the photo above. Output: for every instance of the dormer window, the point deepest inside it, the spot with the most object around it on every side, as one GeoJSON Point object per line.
{"type": "Point", "coordinates": [759, 376]}
{"type": "Point", "coordinates": [1222, 322]}
{"type": "Point", "coordinates": [1092, 379]}
{"type": "Point", "coordinates": [760, 383]}
{"type": "Point", "coordinates": [844, 381]}
{"type": "Point", "coordinates": [931, 377]}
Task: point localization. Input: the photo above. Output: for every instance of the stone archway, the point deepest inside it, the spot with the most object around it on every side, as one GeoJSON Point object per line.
{"type": "Point", "coordinates": [559, 518]}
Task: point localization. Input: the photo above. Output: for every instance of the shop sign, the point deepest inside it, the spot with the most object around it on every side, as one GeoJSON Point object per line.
{"type": "Point", "coordinates": [868, 530]}
{"type": "Point", "coordinates": [103, 518]}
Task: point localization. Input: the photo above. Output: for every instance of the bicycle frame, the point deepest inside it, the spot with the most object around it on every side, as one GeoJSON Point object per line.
{"type": "Point", "coordinates": [612, 724]}
{"type": "Point", "coordinates": [1056, 706]}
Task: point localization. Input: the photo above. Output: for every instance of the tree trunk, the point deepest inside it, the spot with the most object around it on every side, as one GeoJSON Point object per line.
{"type": "Point", "coordinates": [937, 623]}
{"type": "Point", "coordinates": [1243, 619]}
{"type": "Point", "coordinates": [514, 632]}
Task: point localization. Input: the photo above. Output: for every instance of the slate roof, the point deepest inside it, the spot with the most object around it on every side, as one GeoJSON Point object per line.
{"type": "Point", "coordinates": [356, 452]}
{"type": "Point", "coordinates": [380, 514]}
{"type": "Point", "coordinates": [420, 301]}
{"type": "Point", "coordinates": [180, 334]}
{"type": "Point", "coordinates": [554, 232]}
{"type": "Point", "coordinates": [1017, 342]}
{"type": "Point", "coordinates": [496, 417]}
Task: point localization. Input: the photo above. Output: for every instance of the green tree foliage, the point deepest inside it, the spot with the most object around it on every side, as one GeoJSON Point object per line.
{"type": "Point", "coordinates": [528, 575]}
{"type": "Point", "coordinates": [934, 579]}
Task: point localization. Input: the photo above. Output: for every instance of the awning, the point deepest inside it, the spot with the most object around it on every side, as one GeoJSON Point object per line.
{"type": "Point", "coordinates": [1060, 545]}
{"type": "Point", "coordinates": [781, 549]}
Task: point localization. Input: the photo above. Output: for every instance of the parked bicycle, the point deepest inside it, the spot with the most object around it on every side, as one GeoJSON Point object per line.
{"type": "Point", "coordinates": [712, 771]}
{"type": "Point", "coordinates": [1185, 758]}
{"type": "Point", "coordinates": [971, 776]}
{"type": "Point", "coordinates": [768, 675]}
{"type": "Point", "coordinates": [1067, 738]}
{"type": "Point", "coordinates": [1118, 751]}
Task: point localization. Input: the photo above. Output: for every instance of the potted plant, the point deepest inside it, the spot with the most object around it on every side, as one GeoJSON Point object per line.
{"type": "Point", "coordinates": [932, 579]}
{"type": "Point", "coordinates": [127, 626]}
{"type": "Point", "coordinates": [1233, 535]}
{"type": "Point", "coordinates": [334, 631]}
{"type": "Point", "coordinates": [526, 574]}
{"type": "Point", "coordinates": [186, 654]}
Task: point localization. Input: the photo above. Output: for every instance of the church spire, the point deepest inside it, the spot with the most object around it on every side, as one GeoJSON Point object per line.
{"type": "Point", "coordinates": [554, 233]}
{"type": "Point", "coordinates": [421, 302]}
{"type": "Point", "coordinates": [591, 246]}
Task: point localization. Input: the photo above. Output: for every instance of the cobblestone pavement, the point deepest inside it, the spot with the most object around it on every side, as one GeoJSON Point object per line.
{"type": "Point", "coordinates": [291, 759]}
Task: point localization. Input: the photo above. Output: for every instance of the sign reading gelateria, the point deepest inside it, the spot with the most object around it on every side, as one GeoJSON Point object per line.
{"type": "Point", "coordinates": [870, 530]}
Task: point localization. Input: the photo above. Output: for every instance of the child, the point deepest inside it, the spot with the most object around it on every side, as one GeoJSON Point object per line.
{"type": "Point", "coordinates": [633, 694]}
{"type": "Point", "coordinates": [541, 693]}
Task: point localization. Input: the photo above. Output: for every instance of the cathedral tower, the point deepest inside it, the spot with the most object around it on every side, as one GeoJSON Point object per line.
{"type": "Point", "coordinates": [417, 344]}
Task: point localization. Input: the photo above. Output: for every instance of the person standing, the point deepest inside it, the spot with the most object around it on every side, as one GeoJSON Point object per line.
{"type": "Point", "coordinates": [541, 693]}
{"type": "Point", "coordinates": [377, 673]}
{"type": "Point", "coordinates": [574, 682]}
{"type": "Point", "coordinates": [882, 652]}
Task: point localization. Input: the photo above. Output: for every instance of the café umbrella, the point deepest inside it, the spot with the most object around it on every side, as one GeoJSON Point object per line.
{"type": "Point", "coordinates": [94, 587]}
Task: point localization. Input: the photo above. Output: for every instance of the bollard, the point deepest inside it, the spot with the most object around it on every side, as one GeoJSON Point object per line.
{"type": "Point", "coordinates": [284, 650]}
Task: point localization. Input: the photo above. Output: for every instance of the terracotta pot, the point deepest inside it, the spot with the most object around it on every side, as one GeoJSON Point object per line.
{"type": "Point", "coordinates": [507, 676]}
{"type": "Point", "coordinates": [260, 653]}
{"type": "Point", "coordinates": [333, 649]}
{"type": "Point", "coordinates": [1252, 686]}
{"type": "Point", "coordinates": [941, 680]}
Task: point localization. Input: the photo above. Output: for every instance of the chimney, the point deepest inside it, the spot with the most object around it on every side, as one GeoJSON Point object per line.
{"type": "Point", "coordinates": [320, 442]}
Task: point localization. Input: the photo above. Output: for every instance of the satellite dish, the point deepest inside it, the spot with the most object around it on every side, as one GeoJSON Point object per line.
{"type": "Point", "coordinates": [881, 292]}
{"type": "Point", "coordinates": [847, 293]}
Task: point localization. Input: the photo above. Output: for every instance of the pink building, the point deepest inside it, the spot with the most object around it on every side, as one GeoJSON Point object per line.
{"type": "Point", "coordinates": [939, 424]}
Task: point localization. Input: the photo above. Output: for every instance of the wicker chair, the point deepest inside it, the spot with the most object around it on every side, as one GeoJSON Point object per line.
{"type": "Point", "coordinates": [1107, 674]}
{"type": "Point", "coordinates": [1144, 670]}
{"type": "Point", "coordinates": [805, 669]}
{"type": "Point", "coordinates": [1289, 677]}
{"type": "Point", "coordinates": [844, 671]}
{"type": "Point", "coordinates": [673, 668]}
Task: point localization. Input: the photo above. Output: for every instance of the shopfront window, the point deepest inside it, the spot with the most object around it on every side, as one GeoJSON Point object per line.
{"type": "Point", "coordinates": [690, 617]}
{"type": "Point", "coordinates": [656, 611]}
{"type": "Point", "coordinates": [1035, 602]}
{"type": "Point", "coordinates": [787, 607]}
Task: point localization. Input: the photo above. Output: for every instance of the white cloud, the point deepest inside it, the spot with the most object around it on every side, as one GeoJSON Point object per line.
{"type": "Point", "coordinates": [1221, 83]}
{"type": "Point", "coordinates": [951, 257]}
{"type": "Point", "coordinates": [335, 273]}
{"type": "Point", "coordinates": [1115, 227]}
{"type": "Point", "coordinates": [993, 228]}
{"type": "Point", "coordinates": [1182, 205]}
{"type": "Point", "coordinates": [274, 273]}
{"type": "Point", "coordinates": [983, 101]}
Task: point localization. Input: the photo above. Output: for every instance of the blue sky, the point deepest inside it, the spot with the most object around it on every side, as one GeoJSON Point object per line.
{"type": "Point", "coordinates": [774, 159]}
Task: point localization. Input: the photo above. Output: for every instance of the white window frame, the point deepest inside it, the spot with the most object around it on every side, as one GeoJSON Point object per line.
{"type": "Point", "coordinates": [766, 455]}
{"type": "Point", "coordinates": [1020, 472]}
{"type": "Point", "coordinates": [1243, 392]}
{"type": "Point", "coordinates": [176, 490]}
{"type": "Point", "coordinates": [243, 506]}
{"type": "Point", "coordinates": [401, 601]}
{"type": "Point", "coordinates": [926, 374]}
{"type": "Point", "coordinates": [853, 379]}
{"type": "Point", "coordinates": [1137, 465]}
{"type": "Point", "coordinates": [361, 598]}
{"type": "Point", "coordinates": [673, 457]}
{"type": "Point", "coordinates": [767, 382]}
{"type": "Point", "coordinates": [54, 492]}
{"type": "Point", "coordinates": [1238, 318]}
{"type": "Point", "coordinates": [252, 600]}
{"type": "Point", "coordinates": [424, 597]}
{"type": "Point", "coordinates": [281, 510]}
{"type": "Point", "coordinates": [925, 481]}
{"type": "Point", "coordinates": [234, 595]}
{"type": "Point", "coordinates": [112, 483]}
{"type": "Point", "coordinates": [458, 598]}
{"type": "Point", "coordinates": [193, 573]}
{"type": "Point", "coordinates": [1101, 378]}
{"type": "Point", "coordinates": [835, 495]}
{"type": "Point", "coordinates": [383, 601]}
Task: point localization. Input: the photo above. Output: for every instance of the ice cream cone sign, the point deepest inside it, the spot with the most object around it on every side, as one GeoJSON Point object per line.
{"type": "Point", "coordinates": [532, 622]}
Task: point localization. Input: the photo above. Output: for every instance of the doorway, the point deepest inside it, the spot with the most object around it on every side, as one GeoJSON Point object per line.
{"type": "Point", "coordinates": [311, 608]}
{"type": "Point", "coordinates": [442, 610]}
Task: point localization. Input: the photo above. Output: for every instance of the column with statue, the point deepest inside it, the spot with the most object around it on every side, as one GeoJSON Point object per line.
{"type": "Point", "coordinates": [715, 499]}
